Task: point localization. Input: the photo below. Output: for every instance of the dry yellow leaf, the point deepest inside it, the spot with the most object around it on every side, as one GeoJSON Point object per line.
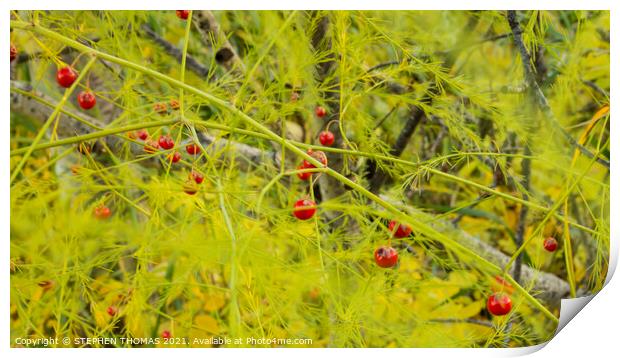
{"type": "Point", "coordinates": [213, 301]}
{"type": "Point", "coordinates": [206, 323]}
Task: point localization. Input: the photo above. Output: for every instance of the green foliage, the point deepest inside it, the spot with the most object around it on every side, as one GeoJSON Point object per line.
{"type": "Point", "coordinates": [223, 263]}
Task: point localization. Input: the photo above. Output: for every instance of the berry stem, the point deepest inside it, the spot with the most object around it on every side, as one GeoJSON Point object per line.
{"type": "Point", "coordinates": [280, 176]}
{"type": "Point", "coordinates": [317, 231]}
{"type": "Point", "coordinates": [188, 27]}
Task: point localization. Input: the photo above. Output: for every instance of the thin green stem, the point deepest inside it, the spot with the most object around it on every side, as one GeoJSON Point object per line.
{"type": "Point", "coordinates": [282, 175]}
{"type": "Point", "coordinates": [94, 135]}
{"type": "Point", "coordinates": [234, 317]}
{"type": "Point", "coordinates": [47, 165]}
{"type": "Point", "coordinates": [250, 75]}
{"type": "Point", "coordinates": [508, 197]}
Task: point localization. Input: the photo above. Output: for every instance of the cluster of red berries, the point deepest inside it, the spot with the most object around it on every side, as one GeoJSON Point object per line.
{"type": "Point", "coordinates": [319, 156]}
{"type": "Point", "coordinates": [65, 77]}
{"type": "Point", "coordinates": [387, 256]}
{"type": "Point", "coordinates": [166, 142]}
{"type": "Point", "coordinates": [162, 108]}
{"type": "Point", "coordinates": [305, 209]}
{"type": "Point", "coordinates": [191, 185]}
{"type": "Point", "coordinates": [327, 139]}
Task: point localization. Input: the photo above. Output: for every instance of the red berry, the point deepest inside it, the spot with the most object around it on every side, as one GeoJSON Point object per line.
{"type": "Point", "coordinates": [403, 230]}
{"type": "Point", "coordinates": [318, 155]}
{"type": "Point", "coordinates": [327, 138]}
{"type": "Point", "coordinates": [66, 76]}
{"type": "Point", "coordinates": [174, 157]}
{"type": "Point", "coordinates": [190, 187]}
{"type": "Point", "coordinates": [151, 146]}
{"type": "Point", "coordinates": [550, 244]}
{"type": "Point", "coordinates": [111, 310]}
{"type": "Point", "coordinates": [303, 176]}
{"type": "Point", "coordinates": [166, 334]}
{"type": "Point", "coordinates": [499, 304]}
{"type": "Point", "coordinates": [160, 108]}
{"type": "Point", "coordinates": [198, 178]}
{"type": "Point", "coordinates": [143, 134]}
{"type": "Point", "coordinates": [192, 149]}
{"type": "Point", "coordinates": [320, 111]}
{"type": "Point", "coordinates": [13, 53]}
{"type": "Point", "coordinates": [166, 142]}
{"type": "Point", "coordinates": [102, 212]}
{"type": "Point", "coordinates": [174, 104]}
{"type": "Point", "coordinates": [386, 256]}
{"type": "Point", "coordinates": [183, 14]}
{"type": "Point", "coordinates": [304, 209]}
{"type": "Point", "coordinates": [86, 99]}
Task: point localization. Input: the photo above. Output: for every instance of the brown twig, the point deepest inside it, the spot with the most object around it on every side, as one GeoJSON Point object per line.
{"type": "Point", "coordinates": [526, 172]}
{"type": "Point", "coordinates": [596, 88]}
{"type": "Point", "coordinates": [191, 63]}
{"type": "Point", "coordinates": [322, 45]}
{"type": "Point", "coordinates": [416, 116]}
{"type": "Point", "coordinates": [208, 27]}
